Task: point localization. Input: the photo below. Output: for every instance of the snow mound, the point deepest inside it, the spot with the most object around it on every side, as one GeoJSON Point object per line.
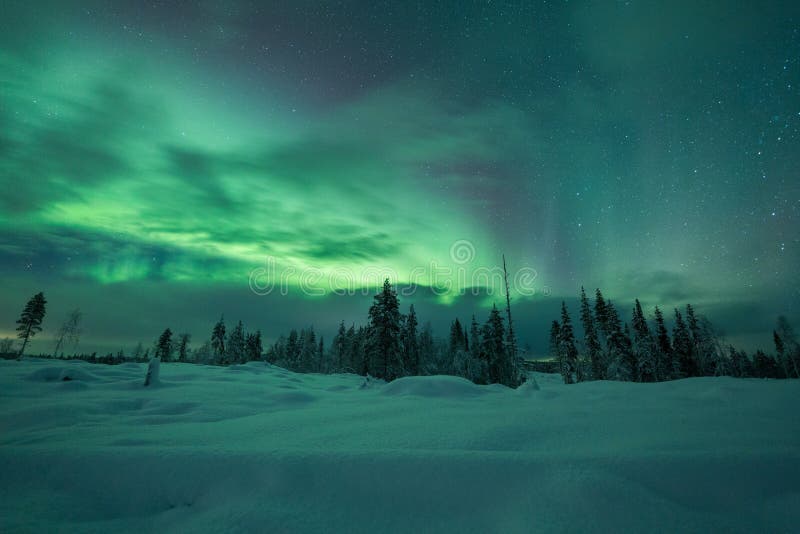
{"type": "Point", "coordinates": [528, 388]}
{"type": "Point", "coordinates": [452, 387]}
{"type": "Point", "coordinates": [61, 374]}
{"type": "Point", "coordinates": [153, 373]}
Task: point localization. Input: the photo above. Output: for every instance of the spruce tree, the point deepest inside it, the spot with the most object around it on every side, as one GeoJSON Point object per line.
{"type": "Point", "coordinates": [253, 348]}
{"type": "Point", "coordinates": [601, 314]}
{"type": "Point", "coordinates": [410, 343]}
{"type": "Point", "coordinates": [592, 343]}
{"type": "Point", "coordinates": [738, 363]}
{"type": "Point", "coordinates": [708, 354]}
{"type": "Point", "coordinates": [644, 346]}
{"type": "Point", "coordinates": [361, 345]}
{"type": "Point", "coordinates": [384, 339]}
{"type": "Point", "coordinates": [682, 347]}
{"type": "Point", "coordinates": [780, 350]}
{"type": "Point", "coordinates": [218, 340]}
{"type": "Point", "coordinates": [463, 363]}
{"type": "Point", "coordinates": [629, 354]}
{"type": "Point", "coordinates": [338, 348]}
{"type": "Point", "coordinates": [622, 363]}
{"type": "Point", "coordinates": [667, 367]}
{"type": "Point", "coordinates": [695, 335]}
{"type": "Point", "coordinates": [352, 362]}
{"type": "Point", "coordinates": [183, 346]}
{"type": "Point", "coordinates": [567, 351]}
{"type": "Point", "coordinates": [515, 375]}
{"type": "Point", "coordinates": [493, 341]}
{"type": "Point", "coordinates": [292, 349]}
{"type": "Point", "coordinates": [477, 356]}
{"type": "Point", "coordinates": [235, 352]}
{"type": "Point", "coordinates": [164, 346]}
{"type": "Point", "coordinates": [765, 366]}
{"type": "Point", "coordinates": [427, 349]}
{"type": "Point", "coordinates": [30, 321]}
{"type": "Point", "coordinates": [474, 333]}
{"type": "Point", "coordinates": [456, 337]}
{"type": "Point", "coordinates": [308, 352]}
{"type": "Point", "coordinates": [791, 349]}
{"type": "Point", "coordinates": [324, 363]}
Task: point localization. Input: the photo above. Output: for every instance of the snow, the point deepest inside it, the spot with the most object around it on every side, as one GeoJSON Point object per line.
{"type": "Point", "coordinates": [255, 448]}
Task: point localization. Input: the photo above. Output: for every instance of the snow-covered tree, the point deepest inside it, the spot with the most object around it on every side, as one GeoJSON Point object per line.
{"type": "Point", "coordinates": [467, 365]}
{"type": "Point", "coordinates": [183, 346]}
{"type": "Point", "coordinates": [69, 333]}
{"type": "Point", "coordinates": [204, 353]}
{"type": "Point", "coordinates": [621, 355]}
{"type": "Point", "coordinates": [707, 348]}
{"type": "Point", "coordinates": [6, 345]}
{"type": "Point", "coordinates": [138, 352]}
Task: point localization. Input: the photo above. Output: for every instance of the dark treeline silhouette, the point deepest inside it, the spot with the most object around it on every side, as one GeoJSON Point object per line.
{"type": "Point", "coordinates": [391, 345]}
{"type": "Point", "coordinates": [646, 352]}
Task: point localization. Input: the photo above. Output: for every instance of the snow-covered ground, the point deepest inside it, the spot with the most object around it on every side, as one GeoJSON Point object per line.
{"type": "Point", "coordinates": [255, 448]}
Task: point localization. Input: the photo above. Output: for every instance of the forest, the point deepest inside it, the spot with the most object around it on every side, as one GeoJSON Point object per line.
{"type": "Point", "coordinates": [392, 344]}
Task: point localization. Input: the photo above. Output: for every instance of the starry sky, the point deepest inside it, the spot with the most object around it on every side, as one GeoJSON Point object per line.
{"type": "Point", "coordinates": [154, 155]}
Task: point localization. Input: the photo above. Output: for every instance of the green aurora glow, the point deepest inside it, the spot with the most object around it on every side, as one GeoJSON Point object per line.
{"type": "Point", "coordinates": [651, 152]}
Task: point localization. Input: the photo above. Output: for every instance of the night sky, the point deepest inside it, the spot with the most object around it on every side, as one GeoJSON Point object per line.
{"type": "Point", "coordinates": [153, 154]}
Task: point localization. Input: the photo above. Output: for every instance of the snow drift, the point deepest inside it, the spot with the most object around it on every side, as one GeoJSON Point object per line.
{"type": "Point", "coordinates": [255, 448]}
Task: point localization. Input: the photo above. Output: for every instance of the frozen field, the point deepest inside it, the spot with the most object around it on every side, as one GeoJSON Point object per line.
{"type": "Point", "coordinates": [256, 448]}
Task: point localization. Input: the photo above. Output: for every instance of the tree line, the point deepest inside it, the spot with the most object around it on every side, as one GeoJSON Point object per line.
{"type": "Point", "coordinates": [646, 351]}
{"type": "Point", "coordinates": [392, 345]}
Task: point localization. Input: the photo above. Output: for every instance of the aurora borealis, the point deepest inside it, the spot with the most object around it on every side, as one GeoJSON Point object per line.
{"type": "Point", "coordinates": [152, 154]}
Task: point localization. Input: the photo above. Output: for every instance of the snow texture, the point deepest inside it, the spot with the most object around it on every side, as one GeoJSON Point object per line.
{"type": "Point", "coordinates": [255, 448]}
{"type": "Point", "coordinates": [153, 370]}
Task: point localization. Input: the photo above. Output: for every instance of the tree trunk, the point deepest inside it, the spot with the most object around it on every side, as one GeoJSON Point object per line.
{"type": "Point", "coordinates": [25, 342]}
